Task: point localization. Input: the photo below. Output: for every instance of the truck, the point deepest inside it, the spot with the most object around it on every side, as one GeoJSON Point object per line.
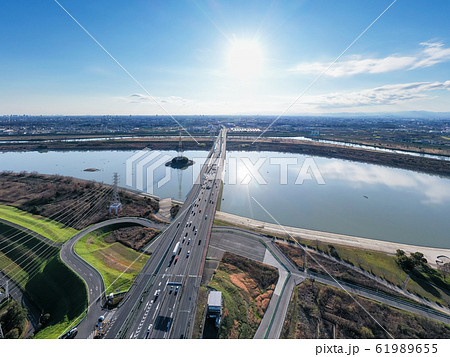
{"type": "Point", "coordinates": [175, 249]}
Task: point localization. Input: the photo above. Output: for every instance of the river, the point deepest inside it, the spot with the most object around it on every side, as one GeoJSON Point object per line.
{"type": "Point", "coordinates": [331, 195]}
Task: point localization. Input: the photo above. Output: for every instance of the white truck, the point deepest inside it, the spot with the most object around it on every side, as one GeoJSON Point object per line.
{"type": "Point", "coordinates": [176, 249]}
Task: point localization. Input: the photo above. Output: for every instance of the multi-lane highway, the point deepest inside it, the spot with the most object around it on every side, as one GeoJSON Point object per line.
{"type": "Point", "coordinates": [163, 299]}
{"type": "Point", "coordinates": [91, 276]}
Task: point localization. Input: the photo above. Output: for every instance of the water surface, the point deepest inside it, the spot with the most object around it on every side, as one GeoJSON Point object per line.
{"type": "Point", "coordinates": [358, 199]}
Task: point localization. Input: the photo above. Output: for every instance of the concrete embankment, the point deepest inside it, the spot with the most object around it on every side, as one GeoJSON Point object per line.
{"type": "Point", "coordinates": [431, 254]}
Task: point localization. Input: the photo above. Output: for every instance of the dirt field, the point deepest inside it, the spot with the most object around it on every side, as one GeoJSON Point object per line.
{"type": "Point", "coordinates": [247, 287]}
{"type": "Point", "coordinates": [47, 195]}
{"type": "Point", "coordinates": [318, 311]}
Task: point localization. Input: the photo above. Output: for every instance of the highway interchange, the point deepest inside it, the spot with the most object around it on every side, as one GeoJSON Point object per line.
{"type": "Point", "coordinates": [162, 301]}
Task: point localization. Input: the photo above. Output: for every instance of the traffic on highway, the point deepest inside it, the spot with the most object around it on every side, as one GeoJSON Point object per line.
{"type": "Point", "coordinates": [163, 299]}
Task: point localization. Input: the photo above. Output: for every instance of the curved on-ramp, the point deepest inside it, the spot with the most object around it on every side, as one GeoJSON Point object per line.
{"type": "Point", "coordinates": [90, 275]}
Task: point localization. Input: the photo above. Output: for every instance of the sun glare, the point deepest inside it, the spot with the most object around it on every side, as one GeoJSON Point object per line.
{"type": "Point", "coordinates": [245, 59]}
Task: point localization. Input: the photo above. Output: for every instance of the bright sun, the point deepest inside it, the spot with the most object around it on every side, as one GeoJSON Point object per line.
{"type": "Point", "coordinates": [245, 59]}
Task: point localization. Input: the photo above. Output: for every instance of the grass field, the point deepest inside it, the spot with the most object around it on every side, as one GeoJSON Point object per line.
{"type": "Point", "coordinates": [246, 287]}
{"type": "Point", "coordinates": [378, 263]}
{"type": "Point", "coordinates": [433, 285]}
{"type": "Point", "coordinates": [201, 311]}
{"type": "Point", "coordinates": [52, 230]}
{"type": "Point", "coordinates": [320, 311]}
{"type": "Point", "coordinates": [117, 263]}
{"type": "Point", "coordinates": [36, 267]}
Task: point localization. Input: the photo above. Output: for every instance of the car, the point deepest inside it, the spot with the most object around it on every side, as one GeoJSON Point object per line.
{"type": "Point", "coordinates": [187, 224]}
{"type": "Point", "coordinates": [147, 334]}
{"type": "Point", "coordinates": [199, 241]}
{"type": "Point", "coordinates": [176, 290]}
{"type": "Point", "coordinates": [188, 253]}
{"type": "Point", "coordinates": [195, 233]}
{"type": "Point", "coordinates": [157, 292]}
{"type": "Point", "coordinates": [186, 234]}
{"type": "Point", "coordinates": [193, 228]}
{"type": "Point", "coordinates": [206, 216]}
{"type": "Point", "coordinates": [200, 211]}
{"type": "Point", "coordinates": [171, 289]}
{"type": "Point", "coordinates": [72, 333]}
{"type": "Point", "coordinates": [175, 261]}
{"type": "Point", "coordinates": [190, 223]}
{"type": "Point", "coordinates": [189, 241]}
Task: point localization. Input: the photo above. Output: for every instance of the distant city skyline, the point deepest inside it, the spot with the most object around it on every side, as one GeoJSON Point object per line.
{"type": "Point", "coordinates": [223, 57]}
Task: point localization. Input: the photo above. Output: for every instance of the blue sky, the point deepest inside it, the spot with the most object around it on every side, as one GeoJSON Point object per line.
{"type": "Point", "coordinates": [180, 52]}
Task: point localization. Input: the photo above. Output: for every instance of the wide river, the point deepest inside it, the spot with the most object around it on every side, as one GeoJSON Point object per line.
{"type": "Point", "coordinates": [322, 194]}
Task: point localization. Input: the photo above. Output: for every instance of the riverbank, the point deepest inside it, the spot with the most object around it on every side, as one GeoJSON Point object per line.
{"type": "Point", "coordinates": [309, 148]}
{"type": "Point", "coordinates": [431, 254]}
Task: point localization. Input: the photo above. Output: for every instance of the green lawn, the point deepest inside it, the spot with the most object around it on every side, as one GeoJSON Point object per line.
{"type": "Point", "coordinates": [384, 266]}
{"type": "Point", "coordinates": [378, 263]}
{"type": "Point", "coordinates": [13, 270]}
{"type": "Point", "coordinates": [52, 230]}
{"type": "Point", "coordinates": [117, 263]}
{"type": "Point", "coordinates": [36, 267]}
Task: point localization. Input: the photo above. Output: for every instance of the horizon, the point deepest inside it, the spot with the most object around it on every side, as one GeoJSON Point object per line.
{"type": "Point", "coordinates": [416, 114]}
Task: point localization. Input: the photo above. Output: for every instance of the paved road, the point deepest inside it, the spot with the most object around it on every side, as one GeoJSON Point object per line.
{"type": "Point", "coordinates": [277, 316]}
{"type": "Point", "coordinates": [253, 246]}
{"type": "Point", "coordinates": [17, 294]}
{"type": "Point", "coordinates": [32, 233]}
{"type": "Point", "coordinates": [92, 278]}
{"type": "Point", "coordinates": [153, 308]}
{"type": "Point", "coordinates": [257, 247]}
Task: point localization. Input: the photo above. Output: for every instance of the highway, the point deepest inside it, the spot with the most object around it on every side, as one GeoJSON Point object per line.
{"type": "Point", "coordinates": [91, 276]}
{"type": "Point", "coordinates": [163, 299]}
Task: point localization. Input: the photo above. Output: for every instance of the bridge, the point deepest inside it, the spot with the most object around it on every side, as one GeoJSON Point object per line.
{"type": "Point", "coordinates": [162, 301]}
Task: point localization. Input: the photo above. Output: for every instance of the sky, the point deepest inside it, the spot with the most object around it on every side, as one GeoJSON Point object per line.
{"type": "Point", "coordinates": [223, 57]}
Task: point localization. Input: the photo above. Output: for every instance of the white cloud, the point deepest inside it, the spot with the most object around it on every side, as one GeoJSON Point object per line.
{"type": "Point", "coordinates": [434, 53]}
{"type": "Point", "coordinates": [138, 98]}
{"type": "Point", "coordinates": [431, 54]}
{"type": "Point", "coordinates": [384, 95]}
